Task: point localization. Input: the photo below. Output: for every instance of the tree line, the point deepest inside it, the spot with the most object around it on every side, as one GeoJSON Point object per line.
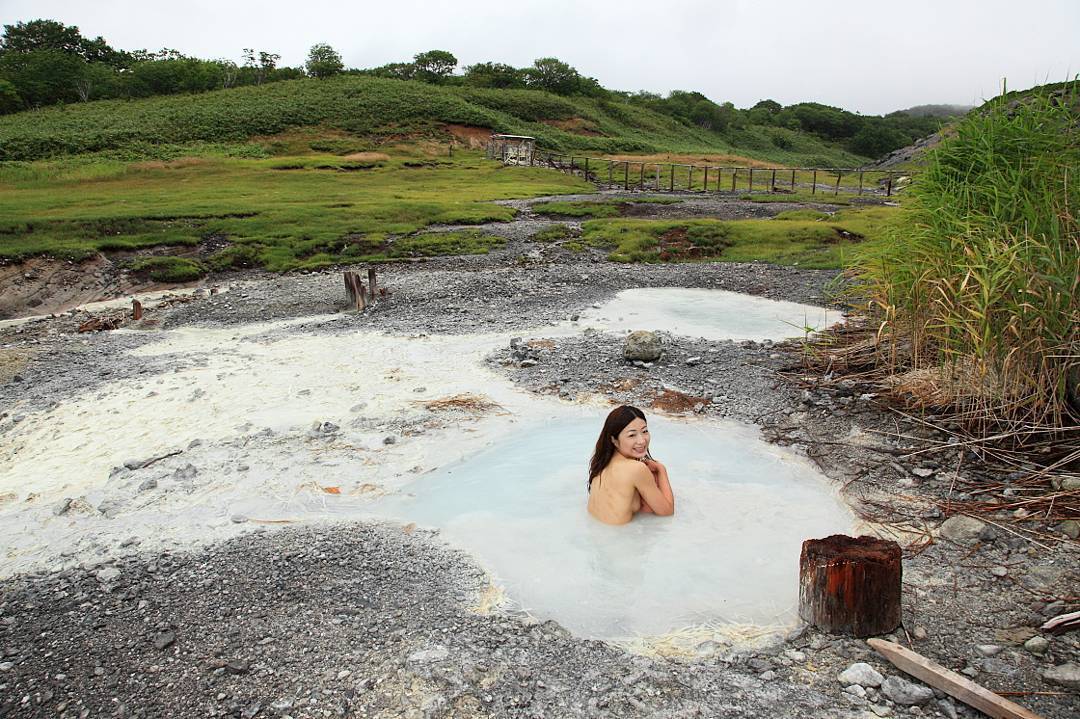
{"type": "Point", "coordinates": [44, 62]}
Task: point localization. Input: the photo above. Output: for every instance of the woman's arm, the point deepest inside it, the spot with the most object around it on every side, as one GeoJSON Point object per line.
{"type": "Point", "coordinates": [654, 488]}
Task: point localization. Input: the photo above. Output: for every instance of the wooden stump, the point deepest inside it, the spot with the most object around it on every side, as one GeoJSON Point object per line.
{"type": "Point", "coordinates": [850, 585]}
{"type": "Point", "coordinates": [354, 288]}
{"type": "Point", "coordinates": [136, 310]}
{"type": "Point", "coordinates": [371, 283]}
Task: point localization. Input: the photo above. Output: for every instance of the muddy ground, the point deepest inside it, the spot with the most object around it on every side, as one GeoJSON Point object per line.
{"type": "Point", "coordinates": [382, 620]}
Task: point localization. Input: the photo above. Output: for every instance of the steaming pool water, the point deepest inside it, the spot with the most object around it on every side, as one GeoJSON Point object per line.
{"type": "Point", "coordinates": [242, 412]}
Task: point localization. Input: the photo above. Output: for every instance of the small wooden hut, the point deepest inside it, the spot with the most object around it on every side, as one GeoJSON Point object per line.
{"type": "Point", "coordinates": [511, 149]}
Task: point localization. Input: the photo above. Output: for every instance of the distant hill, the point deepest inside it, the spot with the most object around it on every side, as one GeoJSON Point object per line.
{"type": "Point", "coordinates": [935, 110]}
{"type": "Point", "coordinates": [380, 110]}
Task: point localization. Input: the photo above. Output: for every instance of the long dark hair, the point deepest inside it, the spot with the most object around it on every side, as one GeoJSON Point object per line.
{"type": "Point", "coordinates": [614, 424]}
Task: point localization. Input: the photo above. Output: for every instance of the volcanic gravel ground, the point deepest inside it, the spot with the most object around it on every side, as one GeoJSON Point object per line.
{"type": "Point", "coordinates": [376, 620]}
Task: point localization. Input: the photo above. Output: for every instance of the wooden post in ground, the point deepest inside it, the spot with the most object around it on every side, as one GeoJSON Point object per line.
{"type": "Point", "coordinates": [850, 585]}
{"type": "Point", "coordinates": [750, 183]}
{"type": "Point", "coordinates": [860, 181]}
{"type": "Point", "coordinates": [626, 175]}
{"type": "Point", "coordinates": [354, 289]}
{"type": "Point", "coordinates": [813, 183]}
{"type": "Point", "coordinates": [136, 309]}
{"type": "Point", "coordinates": [772, 182]}
{"type": "Point", "coordinates": [734, 173]}
{"type": "Point", "coordinates": [586, 169]}
{"type": "Point", "coordinates": [609, 171]}
{"type": "Point", "coordinates": [641, 177]}
{"type": "Point", "coordinates": [793, 180]}
{"type": "Point", "coordinates": [371, 283]}
{"type": "Point", "coordinates": [888, 186]}
{"type": "Point", "coordinates": [706, 180]}
{"type": "Point", "coordinates": [673, 177]}
{"type": "Point", "coordinates": [837, 190]}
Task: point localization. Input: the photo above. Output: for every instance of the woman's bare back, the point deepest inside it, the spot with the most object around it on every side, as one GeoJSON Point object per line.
{"type": "Point", "coordinates": [621, 490]}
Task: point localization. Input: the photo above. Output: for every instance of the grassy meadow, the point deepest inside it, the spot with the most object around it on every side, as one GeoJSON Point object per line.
{"type": "Point", "coordinates": [278, 213]}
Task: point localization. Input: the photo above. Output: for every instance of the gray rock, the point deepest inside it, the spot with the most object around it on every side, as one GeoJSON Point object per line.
{"type": "Point", "coordinates": [433, 654]}
{"type": "Point", "coordinates": [988, 650]}
{"type": "Point", "coordinates": [901, 691]}
{"type": "Point", "coordinates": [963, 529]}
{"type": "Point", "coordinates": [164, 640]}
{"type": "Point", "coordinates": [238, 666]}
{"type": "Point", "coordinates": [61, 507]}
{"type": "Point", "coordinates": [1037, 645]}
{"type": "Point", "coordinates": [389, 439]}
{"type": "Point", "coordinates": [187, 472]}
{"type": "Point", "coordinates": [107, 574]}
{"type": "Point", "coordinates": [862, 674]}
{"type": "Point", "coordinates": [999, 571]}
{"type": "Point", "coordinates": [1070, 528]}
{"type": "Point", "coordinates": [1064, 675]}
{"type": "Point", "coordinates": [946, 707]}
{"type": "Point", "coordinates": [856, 690]}
{"type": "Point", "coordinates": [643, 346]}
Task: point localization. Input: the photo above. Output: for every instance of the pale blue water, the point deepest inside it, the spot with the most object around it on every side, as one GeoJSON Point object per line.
{"type": "Point", "coordinates": [713, 314]}
{"type": "Point", "coordinates": [730, 553]}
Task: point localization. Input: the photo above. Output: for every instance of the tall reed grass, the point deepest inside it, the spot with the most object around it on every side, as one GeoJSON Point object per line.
{"type": "Point", "coordinates": [976, 283]}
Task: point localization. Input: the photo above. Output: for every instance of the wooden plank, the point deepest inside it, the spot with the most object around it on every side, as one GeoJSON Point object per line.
{"type": "Point", "coordinates": [136, 309]}
{"type": "Point", "coordinates": [371, 283]}
{"type": "Point", "coordinates": [953, 684]}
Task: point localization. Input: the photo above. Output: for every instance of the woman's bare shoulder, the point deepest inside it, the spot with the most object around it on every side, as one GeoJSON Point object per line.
{"type": "Point", "coordinates": [628, 470]}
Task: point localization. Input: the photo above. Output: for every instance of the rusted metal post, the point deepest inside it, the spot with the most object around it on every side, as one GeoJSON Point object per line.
{"type": "Point", "coordinates": [136, 309]}
{"type": "Point", "coordinates": [371, 282]}
{"type": "Point", "coordinates": [813, 183]}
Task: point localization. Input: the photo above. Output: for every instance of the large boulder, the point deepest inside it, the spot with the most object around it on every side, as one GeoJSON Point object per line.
{"type": "Point", "coordinates": [644, 346]}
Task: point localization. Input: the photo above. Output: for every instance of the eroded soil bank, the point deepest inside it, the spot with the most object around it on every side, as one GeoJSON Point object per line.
{"type": "Point", "coordinates": [376, 619]}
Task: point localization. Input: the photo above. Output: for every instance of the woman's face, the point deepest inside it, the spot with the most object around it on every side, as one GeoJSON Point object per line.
{"type": "Point", "coordinates": [633, 441]}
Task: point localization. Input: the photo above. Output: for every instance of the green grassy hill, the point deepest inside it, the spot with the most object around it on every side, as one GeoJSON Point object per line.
{"type": "Point", "coordinates": [371, 111]}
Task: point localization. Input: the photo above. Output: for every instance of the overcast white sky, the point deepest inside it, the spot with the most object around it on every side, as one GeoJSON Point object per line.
{"type": "Point", "coordinates": [866, 56]}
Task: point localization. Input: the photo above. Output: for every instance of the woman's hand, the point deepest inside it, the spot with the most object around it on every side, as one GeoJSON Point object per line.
{"type": "Point", "coordinates": [655, 467]}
